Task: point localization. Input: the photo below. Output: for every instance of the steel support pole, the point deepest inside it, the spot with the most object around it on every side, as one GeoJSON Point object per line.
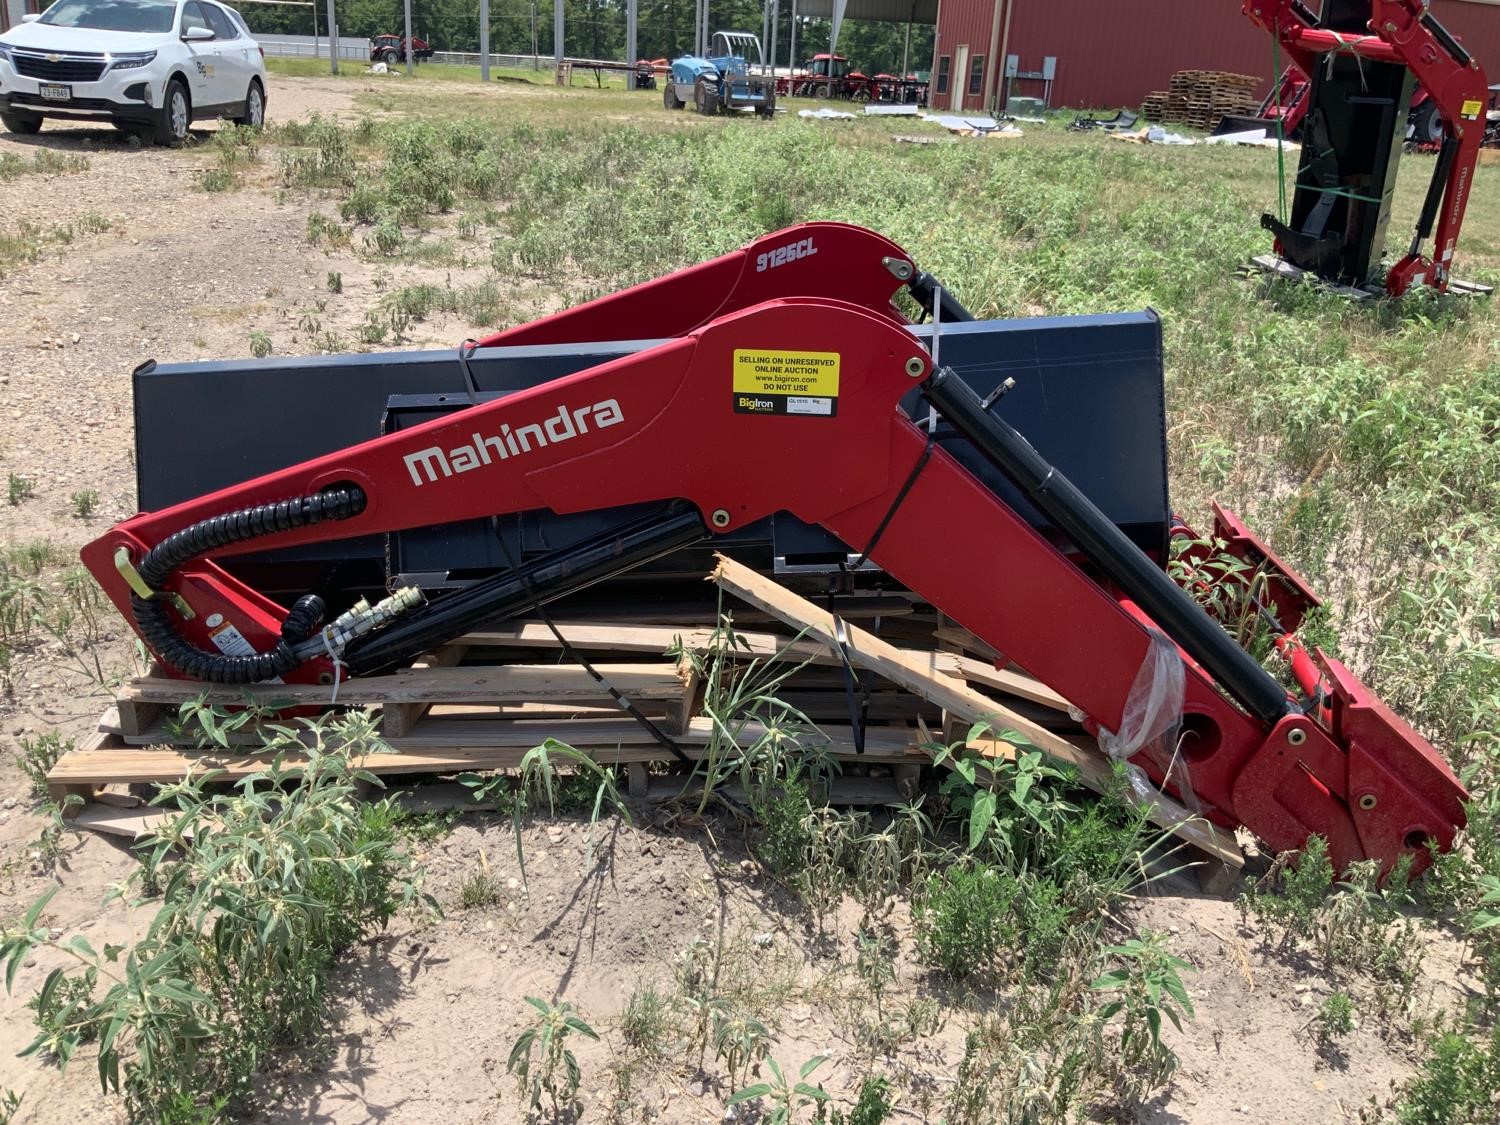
{"type": "Point", "coordinates": [333, 41]}
{"type": "Point", "coordinates": [557, 32]}
{"type": "Point", "coordinates": [791, 54]}
{"type": "Point", "coordinates": [484, 40]}
{"type": "Point", "coordinates": [316, 49]}
{"type": "Point", "coordinates": [410, 50]}
{"type": "Point", "coordinates": [771, 46]}
{"type": "Point", "coordinates": [631, 8]}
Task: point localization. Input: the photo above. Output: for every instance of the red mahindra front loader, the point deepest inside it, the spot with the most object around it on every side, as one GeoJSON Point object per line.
{"type": "Point", "coordinates": [774, 385]}
{"type": "Point", "coordinates": [1364, 59]}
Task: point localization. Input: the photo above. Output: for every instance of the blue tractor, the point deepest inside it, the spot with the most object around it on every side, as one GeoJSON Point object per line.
{"type": "Point", "coordinates": [726, 80]}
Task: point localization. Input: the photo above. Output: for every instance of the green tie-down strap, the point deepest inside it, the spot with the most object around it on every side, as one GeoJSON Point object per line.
{"type": "Point", "coordinates": [1345, 192]}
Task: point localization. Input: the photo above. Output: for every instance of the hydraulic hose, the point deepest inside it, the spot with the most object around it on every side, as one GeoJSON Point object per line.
{"type": "Point", "coordinates": [156, 624]}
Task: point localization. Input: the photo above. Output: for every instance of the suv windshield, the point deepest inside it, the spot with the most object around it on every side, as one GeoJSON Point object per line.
{"type": "Point", "coordinates": [146, 16]}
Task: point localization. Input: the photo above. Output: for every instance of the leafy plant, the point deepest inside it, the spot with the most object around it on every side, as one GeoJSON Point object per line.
{"type": "Point", "coordinates": [84, 503]}
{"type": "Point", "coordinates": [1012, 808]}
{"type": "Point", "coordinates": [741, 1041]}
{"type": "Point", "coordinates": [541, 778]}
{"type": "Point", "coordinates": [872, 1107]}
{"type": "Point", "coordinates": [753, 734]}
{"type": "Point", "coordinates": [37, 757]}
{"type": "Point", "coordinates": [541, 1059]}
{"type": "Point", "coordinates": [647, 1022]}
{"type": "Point", "coordinates": [1458, 1083]}
{"type": "Point", "coordinates": [965, 918]}
{"type": "Point", "coordinates": [19, 488]}
{"type": "Point", "coordinates": [787, 1098]}
{"type": "Point", "coordinates": [1146, 986]}
{"type": "Point", "coordinates": [260, 344]}
{"type": "Point", "coordinates": [335, 282]}
{"type": "Point", "coordinates": [1334, 1021]}
{"type": "Point", "coordinates": [273, 882]}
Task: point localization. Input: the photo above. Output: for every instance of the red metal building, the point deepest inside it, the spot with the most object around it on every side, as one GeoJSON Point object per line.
{"type": "Point", "coordinates": [1107, 54]}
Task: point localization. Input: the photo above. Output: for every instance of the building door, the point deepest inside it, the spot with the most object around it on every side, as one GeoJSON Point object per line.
{"type": "Point", "coordinates": [961, 70]}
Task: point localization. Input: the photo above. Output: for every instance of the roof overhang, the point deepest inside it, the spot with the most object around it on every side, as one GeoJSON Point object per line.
{"type": "Point", "coordinates": [890, 11]}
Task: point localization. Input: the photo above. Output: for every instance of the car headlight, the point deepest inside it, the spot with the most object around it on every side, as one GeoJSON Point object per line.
{"type": "Point", "coordinates": [131, 61]}
{"type": "Point", "coordinates": [5, 51]}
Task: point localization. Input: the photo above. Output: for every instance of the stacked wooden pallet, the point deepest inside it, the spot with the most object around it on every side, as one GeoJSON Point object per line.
{"type": "Point", "coordinates": [1200, 98]}
{"type": "Point", "coordinates": [481, 702]}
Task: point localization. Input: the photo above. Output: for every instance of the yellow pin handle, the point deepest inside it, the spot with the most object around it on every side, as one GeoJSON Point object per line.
{"type": "Point", "coordinates": [130, 574]}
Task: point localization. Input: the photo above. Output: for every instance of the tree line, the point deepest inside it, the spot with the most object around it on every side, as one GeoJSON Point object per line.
{"type": "Point", "coordinates": [596, 28]}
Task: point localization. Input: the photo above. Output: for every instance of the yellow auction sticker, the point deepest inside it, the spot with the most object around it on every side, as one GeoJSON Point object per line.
{"type": "Point", "coordinates": [1471, 110]}
{"type": "Point", "coordinates": [771, 382]}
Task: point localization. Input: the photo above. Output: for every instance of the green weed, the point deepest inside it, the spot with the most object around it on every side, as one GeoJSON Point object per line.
{"type": "Point", "coordinates": [647, 1022]}
{"type": "Point", "coordinates": [1147, 985]}
{"type": "Point", "coordinates": [787, 1097]}
{"type": "Point", "coordinates": [84, 502]}
{"type": "Point", "coordinates": [38, 755]}
{"type": "Point", "coordinates": [542, 1061]}
{"type": "Point", "coordinates": [1458, 1083]}
{"type": "Point", "coordinates": [273, 883]}
{"type": "Point", "coordinates": [19, 489]}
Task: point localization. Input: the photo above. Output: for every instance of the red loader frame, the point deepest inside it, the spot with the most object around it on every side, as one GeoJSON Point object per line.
{"type": "Point", "coordinates": [1404, 32]}
{"type": "Point", "coordinates": [678, 422]}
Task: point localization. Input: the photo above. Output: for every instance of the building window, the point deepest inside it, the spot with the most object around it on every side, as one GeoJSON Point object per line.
{"type": "Point", "coordinates": [976, 75]}
{"type": "Point", "coordinates": [942, 76]}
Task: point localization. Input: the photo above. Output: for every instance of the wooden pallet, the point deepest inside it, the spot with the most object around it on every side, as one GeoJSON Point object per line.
{"type": "Point", "coordinates": [483, 701]}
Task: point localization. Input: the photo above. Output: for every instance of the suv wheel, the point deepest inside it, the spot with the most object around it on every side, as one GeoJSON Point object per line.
{"type": "Point", "coordinates": [25, 123]}
{"type": "Point", "coordinates": [255, 107]}
{"type": "Point", "coordinates": [175, 115]}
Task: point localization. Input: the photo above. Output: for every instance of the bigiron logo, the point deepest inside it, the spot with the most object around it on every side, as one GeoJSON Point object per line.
{"type": "Point", "coordinates": [426, 466]}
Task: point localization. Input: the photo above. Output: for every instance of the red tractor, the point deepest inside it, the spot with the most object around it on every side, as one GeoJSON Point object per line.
{"type": "Point", "coordinates": [391, 49]}
{"type": "Point", "coordinates": [827, 76]}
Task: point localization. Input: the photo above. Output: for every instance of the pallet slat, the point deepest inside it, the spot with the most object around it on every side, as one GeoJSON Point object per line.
{"type": "Point", "coordinates": [869, 651]}
{"type": "Point", "coordinates": [432, 747]}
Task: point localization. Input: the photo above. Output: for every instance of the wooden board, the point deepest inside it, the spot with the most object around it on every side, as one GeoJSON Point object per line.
{"type": "Point", "coordinates": [495, 684]}
{"type": "Point", "coordinates": [437, 747]}
{"type": "Point", "coordinates": [915, 672]}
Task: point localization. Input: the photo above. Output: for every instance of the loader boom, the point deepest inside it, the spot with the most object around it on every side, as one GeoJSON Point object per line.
{"type": "Point", "coordinates": [1341, 165]}
{"type": "Point", "coordinates": [792, 404]}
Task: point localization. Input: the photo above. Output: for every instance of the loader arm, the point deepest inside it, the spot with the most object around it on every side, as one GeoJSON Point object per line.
{"type": "Point", "coordinates": [789, 405]}
{"type": "Point", "coordinates": [821, 259]}
{"type": "Point", "coordinates": [1406, 33]}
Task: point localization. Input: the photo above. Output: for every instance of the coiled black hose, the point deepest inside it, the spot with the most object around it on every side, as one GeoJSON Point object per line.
{"type": "Point", "coordinates": [156, 625]}
{"type": "Point", "coordinates": [305, 618]}
{"type": "Point", "coordinates": [247, 523]}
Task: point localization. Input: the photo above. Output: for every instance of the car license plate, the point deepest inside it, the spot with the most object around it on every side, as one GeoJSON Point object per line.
{"type": "Point", "coordinates": [55, 93]}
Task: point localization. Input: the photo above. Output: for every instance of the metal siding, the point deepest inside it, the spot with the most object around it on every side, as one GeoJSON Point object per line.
{"type": "Point", "coordinates": [1106, 59]}
{"type": "Point", "coordinates": [963, 22]}
{"type": "Point", "coordinates": [1478, 27]}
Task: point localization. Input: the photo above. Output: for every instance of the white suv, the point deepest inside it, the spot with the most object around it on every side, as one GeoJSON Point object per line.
{"type": "Point", "coordinates": [149, 66]}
